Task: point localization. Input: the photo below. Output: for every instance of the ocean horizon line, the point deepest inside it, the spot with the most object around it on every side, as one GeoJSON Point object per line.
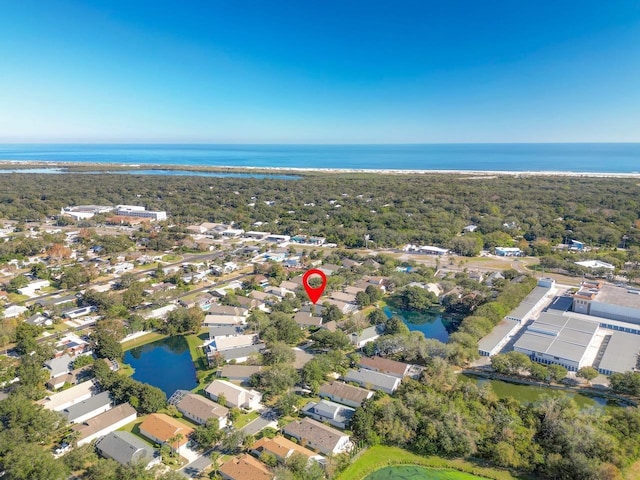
{"type": "Point", "coordinates": [301, 144]}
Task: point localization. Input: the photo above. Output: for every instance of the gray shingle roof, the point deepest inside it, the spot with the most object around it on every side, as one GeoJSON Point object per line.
{"type": "Point", "coordinates": [86, 406]}
{"type": "Point", "coordinates": [125, 448]}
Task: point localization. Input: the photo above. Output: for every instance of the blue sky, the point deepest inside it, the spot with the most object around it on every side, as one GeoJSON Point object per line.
{"type": "Point", "coordinates": [319, 71]}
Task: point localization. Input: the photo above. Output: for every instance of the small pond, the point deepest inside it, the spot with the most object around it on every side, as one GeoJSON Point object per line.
{"type": "Point", "coordinates": [165, 364]}
{"type": "Point", "coordinates": [532, 394]}
{"type": "Point", "coordinates": [431, 324]}
{"type": "Point", "coordinates": [409, 472]}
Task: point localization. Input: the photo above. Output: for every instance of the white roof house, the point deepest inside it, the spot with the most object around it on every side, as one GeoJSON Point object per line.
{"type": "Point", "coordinates": [235, 395]}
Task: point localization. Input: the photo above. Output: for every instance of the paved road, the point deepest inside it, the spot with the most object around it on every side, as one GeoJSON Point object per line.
{"type": "Point", "coordinates": [267, 418]}
{"type": "Point", "coordinates": [194, 469]}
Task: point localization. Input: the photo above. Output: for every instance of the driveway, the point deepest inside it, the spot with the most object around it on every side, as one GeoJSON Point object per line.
{"type": "Point", "coordinates": [197, 466]}
{"type": "Point", "coordinates": [268, 418]}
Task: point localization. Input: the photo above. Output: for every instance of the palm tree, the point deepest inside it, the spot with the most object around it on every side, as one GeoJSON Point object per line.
{"type": "Point", "coordinates": [175, 440]}
{"type": "Point", "coordinates": [215, 458]}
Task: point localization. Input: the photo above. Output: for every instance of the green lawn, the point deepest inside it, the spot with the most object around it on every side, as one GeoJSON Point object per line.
{"type": "Point", "coordinates": [126, 369]}
{"type": "Point", "coordinates": [244, 419]}
{"type": "Point", "coordinates": [143, 340]}
{"type": "Point", "coordinates": [197, 354]}
{"type": "Point", "coordinates": [378, 457]}
{"type": "Point", "coordinates": [17, 298]}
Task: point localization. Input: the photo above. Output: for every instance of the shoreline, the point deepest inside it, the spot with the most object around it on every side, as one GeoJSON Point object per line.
{"type": "Point", "coordinates": [476, 173]}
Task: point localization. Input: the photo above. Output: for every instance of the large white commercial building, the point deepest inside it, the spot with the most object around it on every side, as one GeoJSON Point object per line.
{"type": "Point", "coordinates": [608, 301]}
{"type": "Point", "coordinates": [141, 212]}
{"type": "Point", "coordinates": [557, 339]}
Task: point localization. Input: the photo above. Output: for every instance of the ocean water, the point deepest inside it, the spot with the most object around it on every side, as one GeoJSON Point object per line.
{"type": "Point", "coordinates": [566, 157]}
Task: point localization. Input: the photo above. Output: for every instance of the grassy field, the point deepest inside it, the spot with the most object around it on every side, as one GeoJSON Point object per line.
{"type": "Point", "coordinates": [379, 457]}
{"type": "Point", "coordinates": [137, 342]}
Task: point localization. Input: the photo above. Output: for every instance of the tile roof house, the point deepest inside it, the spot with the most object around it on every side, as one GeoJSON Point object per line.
{"type": "Point", "coordinates": [235, 395]}
{"type": "Point", "coordinates": [313, 434]}
{"type": "Point", "coordinates": [385, 365]}
{"type": "Point", "coordinates": [161, 428]}
{"type": "Point", "coordinates": [104, 423]}
{"type": "Point", "coordinates": [344, 393]}
{"type": "Point", "coordinates": [245, 467]}
{"type": "Point", "coordinates": [127, 449]}
{"type": "Point", "coordinates": [331, 412]}
{"type": "Point", "coordinates": [282, 448]}
{"type": "Point", "coordinates": [84, 410]}
{"type": "Point", "coordinates": [198, 408]}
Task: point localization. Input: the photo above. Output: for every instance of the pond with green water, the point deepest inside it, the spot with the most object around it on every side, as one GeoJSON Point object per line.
{"type": "Point", "coordinates": [409, 472]}
{"type": "Point", "coordinates": [533, 394]}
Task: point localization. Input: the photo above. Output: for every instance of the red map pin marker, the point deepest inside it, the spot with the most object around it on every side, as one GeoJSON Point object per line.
{"type": "Point", "coordinates": [314, 293]}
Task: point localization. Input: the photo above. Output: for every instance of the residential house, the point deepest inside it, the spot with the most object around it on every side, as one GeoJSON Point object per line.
{"type": "Point", "coordinates": [105, 423]}
{"type": "Point", "coordinates": [369, 334]}
{"type": "Point", "coordinates": [198, 408]}
{"type": "Point", "coordinates": [307, 320]}
{"type": "Point", "coordinates": [330, 412]}
{"type": "Point", "coordinates": [235, 395]}
{"type": "Point", "coordinates": [72, 378]}
{"type": "Point", "coordinates": [14, 311]}
{"type": "Point", "coordinates": [245, 467]}
{"type": "Point", "coordinates": [344, 307]}
{"type": "Point", "coordinates": [344, 393]}
{"type": "Point", "coordinates": [343, 297]}
{"type": "Point", "coordinates": [239, 354]}
{"type": "Point", "coordinates": [221, 331]}
{"type": "Point", "coordinates": [265, 298]}
{"type": "Point", "coordinates": [374, 380]}
{"type": "Point", "coordinates": [353, 290]}
{"type": "Point", "coordinates": [38, 320]}
{"type": "Point", "coordinates": [250, 303]}
{"type": "Point", "coordinates": [385, 365]}
{"type": "Point", "coordinates": [127, 449]}
{"type": "Point", "coordinates": [163, 429]}
{"type": "Point", "coordinates": [72, 313]}
{"type": "Point", "coordinates": [86, 409]}
{"type": "Point", "coordinates": [329, 269]}
{"type": "Point", "coordinates": [73, 345]}
{"type": "Point", "coordinates": [220, 344]}
{"type": "Point", "coordinates": [238, 373]}
{"type": "Point", "coordinates": [225, 315]}
{"type": "Point", "coordinates": [313, 434]}
{"type": "Point", "coordinates": [348, 263]}
{"type": "Point", "coordinates": [59, 401]}
{"type": "Point", "coordinates": [279, 292]}
{"type": "Point", "coordinates": [282, 448]}
{"type": "Point", "coordinates": [289, 286]}
{"type": "Point", "coordinates": [58, 367]}
{"type": "Point", "coordinates": [332, 326]}
{"type": "Point", "coordinates": [34, 287]}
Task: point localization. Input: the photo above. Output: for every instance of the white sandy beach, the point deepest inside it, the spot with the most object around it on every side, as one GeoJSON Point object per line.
{"type": "Point", "coordinates": [476, 174]}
